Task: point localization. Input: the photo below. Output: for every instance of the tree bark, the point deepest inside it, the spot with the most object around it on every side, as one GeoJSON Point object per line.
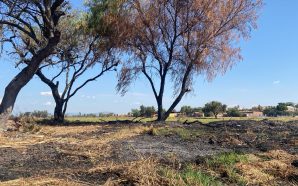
{"type": "Point", "coordinates": [160, 114]}
{"type": "Point", "coordinates": [58, 112]}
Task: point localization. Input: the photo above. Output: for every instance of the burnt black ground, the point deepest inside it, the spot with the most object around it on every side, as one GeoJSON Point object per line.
{"type": "Point", "coordinates": [244, 136]}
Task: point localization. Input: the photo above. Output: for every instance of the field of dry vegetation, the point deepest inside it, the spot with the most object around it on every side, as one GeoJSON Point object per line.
{"type": "Point", "coordinates": [218, 153]}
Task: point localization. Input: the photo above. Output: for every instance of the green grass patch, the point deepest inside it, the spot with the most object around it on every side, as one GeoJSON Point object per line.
{"type": "Point", "coordinates": [227, 159]}
{"type": "Point", "coordinates": [226, 164]}
{"type": "Point", "coordinates": [190, 176]}
{"type": "Point", "coordinates": [183, 133]}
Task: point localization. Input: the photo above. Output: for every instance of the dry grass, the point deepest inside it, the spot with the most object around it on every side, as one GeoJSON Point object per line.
{"type": "Point", "coordinates": [95, 143]}
{"type": "Point", "coordinates": [276, 166]}
{"type": "Point", "coordinates": [142, 172]}
{"type": "Point", "coordinates": [40, 181]}
{"type": "Point", "coordinates": [177, 119]}
{"type": "Point", "coordinates": [86, 144]}
{"type": "Point", "coordinates": [184, 133]}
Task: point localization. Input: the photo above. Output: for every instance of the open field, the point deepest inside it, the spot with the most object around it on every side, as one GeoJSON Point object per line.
{"type": "Point", "coordinates": [178, 119]}
{"type": "Point", "coordinates": [218, 153]}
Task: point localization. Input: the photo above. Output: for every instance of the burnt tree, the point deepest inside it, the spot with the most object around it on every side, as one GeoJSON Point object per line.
{"type": "Point", "coordinates": [172, 41]}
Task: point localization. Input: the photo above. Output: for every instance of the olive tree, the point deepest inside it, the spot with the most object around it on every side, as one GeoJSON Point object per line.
{"type": "Point", "coordinates": [215, 108]}
{"type": "Point", "coordinates": [30, 33]}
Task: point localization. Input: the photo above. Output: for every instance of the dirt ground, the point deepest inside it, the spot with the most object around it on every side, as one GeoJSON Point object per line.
{"type": "Point", "coordinates": [116, 154]}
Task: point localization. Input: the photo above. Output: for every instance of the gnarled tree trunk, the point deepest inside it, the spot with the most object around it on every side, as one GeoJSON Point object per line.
{"type": "Point", "coordinates": [59, 101]}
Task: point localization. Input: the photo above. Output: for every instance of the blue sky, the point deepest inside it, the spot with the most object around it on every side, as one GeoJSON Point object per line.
{"type": "Point", "coordinates": [267, 75]}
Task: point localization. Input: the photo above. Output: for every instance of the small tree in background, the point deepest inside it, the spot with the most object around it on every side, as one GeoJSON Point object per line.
{"type": "Point", "coordinates": [186, 110]}
{"type": "Point", "coordinates": [270, 111]}
{"type": "Point", "coordinates": [215, 108]}
{"type": "Point", "coordinates": [234, 112]}
{"type": "Point", "coordinates": [147, 111]}
{"type": "Point", "coordinates": [258, 108]}
{"type": "Point", "coordinates": [135, 112]}
{"type": "Point", "coordinates": [143, 112]}
{"type": "Point", "coordinates": [189, 111]}
{"type": "Point", "coordinates": [281, 107]}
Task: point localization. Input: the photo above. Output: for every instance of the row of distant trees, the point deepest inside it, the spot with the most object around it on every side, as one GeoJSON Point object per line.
{"type": "Point", "coordinates": [36, 113]}
{"type": "Point", "coordinates": [214, 108]}
{"type": "Point", "coordinates": [281, 110]}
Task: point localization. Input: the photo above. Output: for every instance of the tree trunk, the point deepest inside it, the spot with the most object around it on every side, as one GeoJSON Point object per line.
{"type": "Point", "coordinates": [58, 112]}
{"type": "Point", "coordinates": [59, 101]}
{"type": "Point", "coordinates": [13, 89]}
{"type": "Point", "coordinates": [160, 113]}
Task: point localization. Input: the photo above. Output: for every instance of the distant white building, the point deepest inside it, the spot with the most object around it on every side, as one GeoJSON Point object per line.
{"type": "Point", "coordinates": [291, 109]}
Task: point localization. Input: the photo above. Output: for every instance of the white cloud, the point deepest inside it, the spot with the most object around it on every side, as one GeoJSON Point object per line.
{"type": "Point", "coordinates": [138, 94]}
{"type": "Point", "coordinates": [48, 103]}
{"type": "Point", "coordinates": [46, 93]}
{"type": "Point", "coordinates": [276, 82]}
{"type": "Point", "coordinates": [88, 97]}
{"type": "Point", "coordinates": [105, 95]}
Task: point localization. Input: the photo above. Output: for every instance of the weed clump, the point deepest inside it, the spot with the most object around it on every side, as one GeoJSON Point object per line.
{"type": "Point", "coordinates": [190, 175]}
{"type": "Point", "coordinates": [27, 124]}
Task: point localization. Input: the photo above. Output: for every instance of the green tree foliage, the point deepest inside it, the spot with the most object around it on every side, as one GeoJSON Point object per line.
{"type": "Point", "coordinates": [282, 107]}
{"type": "Point", "coordinates": [215, 108]}
{"type": "Point", "coordinates": [36, 113]}
{"type": "Point", "coordinates": [143, 111]}
{"type": "Point", "coordinates": [234, 112]}
{"type": "Point", "coordinates": [102, 114]}
{"type": "Point", "coordinates": [135, 113]}
{"type": "Point", "coordinates": [103, 16]}
{"type": "Point", "coordinates": [280, 110]}
{"type": "Point", "coordinates": [189, 111]}
{"type": "Point", "coordinates": [147, 111]}
{"type": "Point", "coordinates": [258, 108]}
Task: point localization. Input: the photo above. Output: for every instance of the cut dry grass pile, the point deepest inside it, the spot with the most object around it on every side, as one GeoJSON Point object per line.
{"type": "Point", "coordinates": [268, 168]}
{"type": "Point", "coordinates": [142, 172]}
{"type": "Point", "coordinates": [40, 181]}
{"type": "Point", "coordinates": [149, 172]}
{"type": "Point", "coordinates": [89, 142]}
{"type": "Point", "coordinates": [84, 142]}
{"type": "Point", "coordinates": [248, 169]}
